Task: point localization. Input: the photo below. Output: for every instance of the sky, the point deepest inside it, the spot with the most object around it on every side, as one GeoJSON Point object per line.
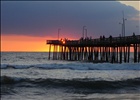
{"type": "Point", "coordinates": [26, 25]}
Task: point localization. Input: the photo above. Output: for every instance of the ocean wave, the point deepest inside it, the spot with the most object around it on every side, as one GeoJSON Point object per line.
{"type": "Point", "coordinates": [7, 66]}
{"type": "Point", "coordinates": [77, 66]}
{"type": "Point", "coordinates": [10, 80]}
{"type": "Point", "coordinates": [75, 83]}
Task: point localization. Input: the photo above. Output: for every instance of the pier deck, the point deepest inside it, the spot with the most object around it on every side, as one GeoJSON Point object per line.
{"type": "Point", "coordinates": [111, 49]}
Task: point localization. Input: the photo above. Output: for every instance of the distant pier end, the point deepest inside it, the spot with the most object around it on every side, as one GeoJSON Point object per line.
{"type": "Point", "coordinates": [111, 49]}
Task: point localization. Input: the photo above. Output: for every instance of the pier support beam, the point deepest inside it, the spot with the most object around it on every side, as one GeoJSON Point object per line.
{"type": "Point", "coordinates": [138, 52]}
{"type": "Point", "coordinates": [135, 53]}
{"type": "Point", "coordinates": [113, 54]}
{"type": "Point", "coordinates": [49, 52]}
{"type": "Point", "coordinates": [128, 54]}
{"type": "Point", "coordinates": [120, 50]}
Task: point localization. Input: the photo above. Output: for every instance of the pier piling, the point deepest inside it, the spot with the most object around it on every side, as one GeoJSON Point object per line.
{"type": "Point", "coordinates": [111, 49]}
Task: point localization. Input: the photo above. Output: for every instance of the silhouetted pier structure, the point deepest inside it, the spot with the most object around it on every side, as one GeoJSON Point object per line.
{"type": "Point", "coordinates": [111, 49]}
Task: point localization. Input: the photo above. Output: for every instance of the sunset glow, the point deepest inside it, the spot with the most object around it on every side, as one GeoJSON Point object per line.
{"type": "Point", "coordinates": [23, 43]}
{"type": "Point", "coordinates": [25, 26]}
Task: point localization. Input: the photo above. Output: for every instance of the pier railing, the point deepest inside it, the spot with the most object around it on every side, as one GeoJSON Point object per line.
{"type": "Point", "coordinates": [98, 42]}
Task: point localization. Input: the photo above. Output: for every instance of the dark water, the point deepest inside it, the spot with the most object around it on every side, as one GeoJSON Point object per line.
{"type": "Point", "coordinates": [30, 76]}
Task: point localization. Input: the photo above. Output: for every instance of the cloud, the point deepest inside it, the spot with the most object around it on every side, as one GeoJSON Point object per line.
{"type": "Point", "coordinates": [134, 3]}
{"type": "Point", "coordinates": [43, 18]}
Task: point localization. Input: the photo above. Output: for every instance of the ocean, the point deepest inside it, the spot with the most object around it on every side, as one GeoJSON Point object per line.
{"type": "Point", "coordinates": [31, 76]}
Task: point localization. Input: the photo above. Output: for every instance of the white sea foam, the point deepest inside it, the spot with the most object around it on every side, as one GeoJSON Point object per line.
{"type": "Point", "coordinates": [39, 60]}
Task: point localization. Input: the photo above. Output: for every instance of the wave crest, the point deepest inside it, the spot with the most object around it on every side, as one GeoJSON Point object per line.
{"type": "Point", "coordinates": [75, 83]}
{"type": "Point", "coordinates": [77, 66]}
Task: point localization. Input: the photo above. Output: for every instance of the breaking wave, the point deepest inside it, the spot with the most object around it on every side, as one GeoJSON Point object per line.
{"type": "Point", "coordinates": [77, 66]}
{"type": "Point", "coordinates": [75, 83]}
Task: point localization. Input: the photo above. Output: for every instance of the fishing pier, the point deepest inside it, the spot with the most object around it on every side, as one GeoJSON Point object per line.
{"type": "Point", "coordinates": [111, 49]}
